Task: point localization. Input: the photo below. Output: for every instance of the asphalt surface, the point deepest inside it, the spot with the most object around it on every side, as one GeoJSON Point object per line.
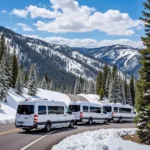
{"type": "Point", "coordinates": [16, 139]}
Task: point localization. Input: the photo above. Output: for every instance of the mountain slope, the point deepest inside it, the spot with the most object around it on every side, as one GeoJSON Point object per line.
{"type": "Point", "coordinates": [125, 57]}
{"type": "Point", "coordinates": [61, 62]}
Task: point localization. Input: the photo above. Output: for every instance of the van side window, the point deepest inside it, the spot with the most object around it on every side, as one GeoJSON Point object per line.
{"type": "Point", "coordinates": [85, 108]}
{"type": "Point", "coordinates": [42, 110]}
{"type": "Point", "coordinates": [116, 109]}
{"type": "Point", "coordinates": [55, 110]}
{"type": "Point", "coordinates": [107, 108]}
{"type": "Point", "coordinates": [95, 109]}
{"type": "Point", "coordinates": [125, 110]}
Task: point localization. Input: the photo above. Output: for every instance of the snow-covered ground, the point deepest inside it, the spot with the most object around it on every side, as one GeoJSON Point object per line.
{"type": "Point", "coordinates": [91, 98]}
{"type": "Point", "coordinates": [7, 113]}
{"type": "Point", "coordinates": [104, 139]}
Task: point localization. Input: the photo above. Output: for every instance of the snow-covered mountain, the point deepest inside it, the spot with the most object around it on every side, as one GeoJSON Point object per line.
{"type": "Point", "coordinates": [125, 57]}
{"type": "Point", "coordinates": [59, 61]}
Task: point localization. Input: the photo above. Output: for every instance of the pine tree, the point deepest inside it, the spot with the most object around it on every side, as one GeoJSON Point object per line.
{"type": "Point", "coordinates": [122, 92]}
{"type": "Point", "coordinates": [8, 62]}
{"type": "Point", "coordinates": [99, 81]}
{"type": "Point", "coordinates": [114, 71]}
{"type": "Point", "coordinates": [105, 73]}
{"type": "Point", "coordinates": [2, 46]}
{"type": "Point", "coordinates": [32, 82]}
{"type": "Point", "coordinates": [25, 79]}
{"type": "Point", "coordinates": [19, 83]}
{"type": "Point", "coordinates": [107, 84]}
{"type": "Point", "coordinates": [3, 79]}
{"type": "Point", "coordinates": [101, 94]}
{"type": "Point", "coordinates": [14, 69]}
{"type": "Point", "coordinates": [85, 87]}
{"type": "Point", "coordinates": [132, 89]}
{"type": "Point", "coordinates": [115, 93]}
{"type": "Point", "coordinates": [44, 83]}
{"type": "Point", "coordinates": [91, 87]}
{"type": "Point", "coordinates": [143, 86]}
{"type": "Point", "coordinates": [77, 86]}
{"type": "Point", "coordinates": [129, 97]}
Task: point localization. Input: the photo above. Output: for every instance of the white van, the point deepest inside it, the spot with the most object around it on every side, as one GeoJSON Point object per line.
{"type": "Point", "coordinates": [41, 114]}
{"type": "Point", "coordinates": [119, 112]}
{"type": "Point", "coordinates": [88, 112]}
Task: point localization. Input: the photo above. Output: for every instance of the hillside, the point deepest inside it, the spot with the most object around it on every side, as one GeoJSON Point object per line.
{"type": "Point", "coordinates": [60, 62]}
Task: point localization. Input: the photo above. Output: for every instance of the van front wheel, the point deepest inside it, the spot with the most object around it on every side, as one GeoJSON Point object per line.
{"type": "Point", "coordinates": [90, 121]}
{"type": "Point", "coordinates": [48, 127]}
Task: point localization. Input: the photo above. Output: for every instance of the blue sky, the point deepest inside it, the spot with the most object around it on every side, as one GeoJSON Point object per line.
{"type": "Point", "coordinates": [80, 23]}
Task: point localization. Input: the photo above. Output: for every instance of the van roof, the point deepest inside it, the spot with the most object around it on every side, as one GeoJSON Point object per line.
{"type": "Point", "coordinates": [41, 101]}
{"type": "Point", "coordinates": [116, 104]}
{"type": "Point", "coordinates": [85, 103]}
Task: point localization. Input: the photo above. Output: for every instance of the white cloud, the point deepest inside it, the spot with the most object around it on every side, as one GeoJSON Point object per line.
{"type": "Point", "coordinates": [25, 27]}
{"type": "Point", "coordinates": [20, 12]}
{"type": "Point", "coordinates": [88, 43]}
{"type": "Point", "coordinates": [69, 16]}
{"type": "Point", "coordinates": [4, 11]}
{"type": "Point", "coordinates": [92, 43]}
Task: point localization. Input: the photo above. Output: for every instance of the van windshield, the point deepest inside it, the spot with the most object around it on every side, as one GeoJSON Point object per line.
{"type": "Point", "coordinates": [74, 108]}
{"type": "Point", "coordinates": [25, 109]}
{"type": "Point", "coordinates": [107, 108]}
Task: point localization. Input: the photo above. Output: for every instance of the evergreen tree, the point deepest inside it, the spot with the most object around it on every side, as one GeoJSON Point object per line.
{"type": "Point", "coordinates": [32, 82]}
{"type": "Point", "coordinates": [114, 71]}
{"type": "Point", "coordinates": [91, 87]}
{"type": "Point", "coordinates": [85, 87]}
{"type": "Point", "coordinates": [125, 86]}
{"type": "Point", "coordinates": [2, 46]}
{"type": "Point", "coordinates": [25, 79]}
{"type": "Point", "coordinates": [122, 92]}
{"type": "Point", "coordinates": [99, 82]}
{"type": "Point", "coordinates": [77, 86]}
{"type": "Point", "coordinates": [105, 73]}
{"type": "Point", "coordinates": [8, 65]}
{"type": "Point", "coordinates": [44, 83]}
{"type": "Point", "coordinates": [107, 84]}
{"type": "Point", "coordinates": [3, 79]}
{"type": "Point", "coordinates": [14, 69]}
{"type": "Point", "coordinates": [19, 83]}
{"type": "Point", "coordinates": [115, 93]}
{"type": "Point", "coordinates": [143, 86]}
{"type": "Point", "coordinates": [129, 97]}
{"type": "Point", "coordinates": [132, 89]}
{"type": "Point", "coordinates": [101, 94]}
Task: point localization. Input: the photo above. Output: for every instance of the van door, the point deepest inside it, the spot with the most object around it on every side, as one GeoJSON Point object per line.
{"type": "Point", "coordinates": [61, 116]}
{"type": "Point", "coordinates": [53, 115]}
{"type": "Point", "coordinates": [25, 115]}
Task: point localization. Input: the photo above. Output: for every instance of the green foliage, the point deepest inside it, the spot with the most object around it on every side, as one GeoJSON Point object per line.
{"type": "Point", "coordinates": [101, 94]}
{"type": "Point", "coordinates": [143, 85]}
{"type": "Point", "coordinates": [99, 82]}
{"type": "Point", "coordinates": [132, 90]}
{"type": "Point", "coordinates": [2, 46]}
{"type": "Point", "coordinates": [14, 69]}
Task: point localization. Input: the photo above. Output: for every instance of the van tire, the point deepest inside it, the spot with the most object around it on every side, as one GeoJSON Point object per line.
{"type": "Point", "coordinates": [120, 120]}
{"type": "Point", "coordinates": [48, 127]}
{"type": "Point", "coordinates": [71, 124]}
{"type": "Point", "coordinates": [90, 121]}
{"type": "Point", "coordinates": [106, 121]}
{"type": "Point", "coordinates": [27, 130]}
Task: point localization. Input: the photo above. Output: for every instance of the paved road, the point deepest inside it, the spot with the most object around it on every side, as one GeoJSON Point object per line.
{"type": "Point", "coordinates": [16, 139]}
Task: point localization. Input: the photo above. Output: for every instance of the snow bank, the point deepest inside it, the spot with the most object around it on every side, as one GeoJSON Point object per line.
{"type": "Point", "coordinates": [104, 139]}
{"type": "Point", "coordinates": [7, 113]}
{"type": "Point", "coordinates": [91, 98]}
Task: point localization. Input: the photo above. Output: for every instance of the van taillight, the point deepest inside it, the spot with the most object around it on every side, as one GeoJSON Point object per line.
{"type": "Point", "coordinates": [35, 118]}
{"type": "Point", "coordinates": [112, 114]}
{"type": "Point", "coordinates": [81, 114]}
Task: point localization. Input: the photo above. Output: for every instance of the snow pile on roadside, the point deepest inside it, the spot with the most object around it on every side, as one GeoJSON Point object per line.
{"type": "Point", "coordinates": [93, 98]}
{"type": "Point", "coordinates": [7, 113]}
{"type": "Point", "coordinates": [104, 139]}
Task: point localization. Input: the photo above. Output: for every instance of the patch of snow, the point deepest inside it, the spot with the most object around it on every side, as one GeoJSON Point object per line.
{"type": "Point", "coordinates": [104, 139]}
